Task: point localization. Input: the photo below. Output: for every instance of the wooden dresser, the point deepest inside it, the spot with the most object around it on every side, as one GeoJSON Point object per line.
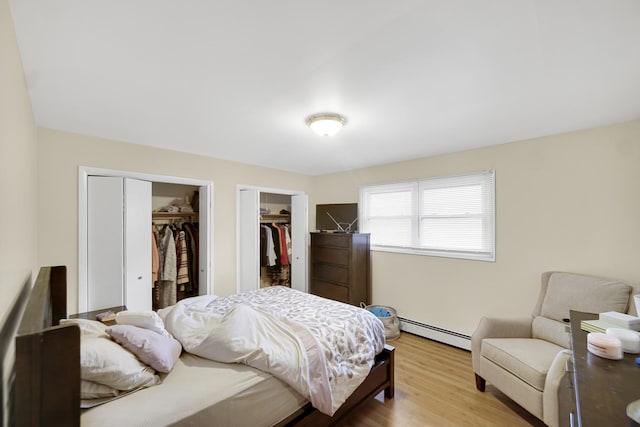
{"type": "Point", "coordinates": [340, 267]}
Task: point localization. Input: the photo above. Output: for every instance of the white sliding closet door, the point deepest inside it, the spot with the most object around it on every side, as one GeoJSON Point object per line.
{"type": "Point", "coordinates": [137, 244]}
{"type": "Point", "coordinates": [118, 243]}
{"type": "Point", "coordinates": [204, 262]}
{"type": "Point", "coordinates": [105, 251]}
{"type": "Point", "coordinates": [248, 240]}
{"type": "Point", "coordinates": [299, 232]}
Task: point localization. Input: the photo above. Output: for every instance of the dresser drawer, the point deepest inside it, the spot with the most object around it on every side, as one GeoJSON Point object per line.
{"type": "Point", "coordinates": [330, 291]}
{"type": "Point", "coordinates": [331, 273]}
{"type": "Point", "coordinates": [331, 255]}
{"type": "Point", "coordinates": [331, 239]}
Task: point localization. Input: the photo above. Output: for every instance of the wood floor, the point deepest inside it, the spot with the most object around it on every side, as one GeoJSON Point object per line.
{"type": "Point", "coordinates": [435, 386]}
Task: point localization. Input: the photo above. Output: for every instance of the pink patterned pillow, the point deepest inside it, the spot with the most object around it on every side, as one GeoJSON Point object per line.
{"type": "Point", "coordinates": [158, 351]}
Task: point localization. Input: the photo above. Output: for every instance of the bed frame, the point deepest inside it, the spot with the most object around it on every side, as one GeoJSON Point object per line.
{"type": "Point", "coordinates": [47, 364]}
{"type": "Point", "coordinates": [47, 368]}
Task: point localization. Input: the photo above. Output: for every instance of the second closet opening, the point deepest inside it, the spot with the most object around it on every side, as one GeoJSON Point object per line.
{"type": "Point", "coordinates": [275, 240]}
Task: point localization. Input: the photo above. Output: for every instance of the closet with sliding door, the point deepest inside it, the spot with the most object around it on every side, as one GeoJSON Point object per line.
{"type": "Point", "coordinates": [143, 242]}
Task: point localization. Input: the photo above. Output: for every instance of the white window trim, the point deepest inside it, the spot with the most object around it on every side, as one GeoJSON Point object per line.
{"type": "Point", "coordinates": [414, 249]}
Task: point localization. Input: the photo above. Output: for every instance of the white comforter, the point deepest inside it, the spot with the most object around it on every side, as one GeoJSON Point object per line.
{"type": "Point", "coordinates": [322, 348]}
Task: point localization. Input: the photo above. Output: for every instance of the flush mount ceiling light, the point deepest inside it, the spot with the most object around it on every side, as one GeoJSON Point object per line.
{"type": "Point", "coordinates": [326, 124]}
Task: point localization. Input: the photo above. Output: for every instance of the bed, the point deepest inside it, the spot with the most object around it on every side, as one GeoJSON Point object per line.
{"type": "Point", "coordinates": [244, 396]}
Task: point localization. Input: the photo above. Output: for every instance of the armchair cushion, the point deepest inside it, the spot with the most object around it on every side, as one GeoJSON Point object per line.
{"type": "Point", "coordinates": [568, 291]}
{"type": "Point", "coordinates": [551, 330]}
{"type": "Point", "coordinates": [526, 358]}
{"type": "Point", "coordinates": [496, 327]}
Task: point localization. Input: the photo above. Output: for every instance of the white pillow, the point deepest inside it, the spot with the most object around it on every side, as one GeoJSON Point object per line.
{"type": "Point", "coordinates": [156, 350]}
{"type": "Point", "coordinates": [105, 362]}
{"type": "Point", "coordinates": [142, 319]}
{"type": "Point", "coordinates": [91, 390]}
{"type": "Point", "coordinates": [88, 327]}
{"type": "Point", "coordinates": [102, 393]}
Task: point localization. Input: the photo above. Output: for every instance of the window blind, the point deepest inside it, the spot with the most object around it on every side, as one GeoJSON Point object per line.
{"type": "Point", "coordinates": [443, 216]}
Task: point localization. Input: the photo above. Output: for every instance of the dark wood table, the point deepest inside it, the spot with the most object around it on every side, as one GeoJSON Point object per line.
{"type": "Point", "coordinates": [603, 387]}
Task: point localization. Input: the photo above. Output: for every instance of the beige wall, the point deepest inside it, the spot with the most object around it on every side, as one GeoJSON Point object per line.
{"type": "Point", "coordinates": [18, 168]}
{"type": "Point", "coordinates": [567, 202]}
{"type": "Point", "coordinates": [18, 171]}
{"type": "Point", "coordinates": [61, 154]}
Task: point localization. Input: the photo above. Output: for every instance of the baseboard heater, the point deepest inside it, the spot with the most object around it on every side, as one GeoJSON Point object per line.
{"type": "Point", "coordinates": [434, 333]}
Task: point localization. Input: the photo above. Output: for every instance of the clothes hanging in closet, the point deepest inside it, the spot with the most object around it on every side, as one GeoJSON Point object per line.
{"type": "Point", "coordinates": [168, 266]}
{"type": "Point", "coordinates": [191, 236]}
{"type": "Point", "coordinates": [275, 252]}
{"type": "Point", "coordinates": [155, 256]}
{"type": "Point", "coordinates": [177, 263]}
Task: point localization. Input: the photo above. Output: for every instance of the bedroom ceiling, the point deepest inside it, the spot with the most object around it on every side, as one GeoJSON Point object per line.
{"type": "Point", "coordinates": [236, 79]}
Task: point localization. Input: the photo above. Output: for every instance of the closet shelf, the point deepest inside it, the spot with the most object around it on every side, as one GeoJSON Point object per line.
{"type": "Point", "coordinates": [174, 215]}
{"type": "Point", "coordinates": [275, 217]}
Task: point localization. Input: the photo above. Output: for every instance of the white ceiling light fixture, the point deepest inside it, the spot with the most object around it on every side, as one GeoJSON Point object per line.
{"type": "Point", "coordinates": [326, 124]}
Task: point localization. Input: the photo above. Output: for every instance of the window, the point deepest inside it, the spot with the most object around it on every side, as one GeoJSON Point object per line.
{"type": "Point", "coordinates": [446, 216]}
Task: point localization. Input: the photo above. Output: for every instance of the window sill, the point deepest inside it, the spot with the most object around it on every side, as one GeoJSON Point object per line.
{"type": "Point", "coordinates": [475, 256]}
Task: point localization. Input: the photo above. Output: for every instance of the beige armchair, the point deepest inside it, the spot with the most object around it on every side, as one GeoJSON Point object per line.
{"type": "Point", "coordinates": [525, 357]}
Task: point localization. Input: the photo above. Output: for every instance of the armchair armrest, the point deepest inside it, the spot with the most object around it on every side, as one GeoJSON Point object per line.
{"type": "Point", "coordinates": [495, 327]}
{"type": "Point", "coordinates": [552, 387]}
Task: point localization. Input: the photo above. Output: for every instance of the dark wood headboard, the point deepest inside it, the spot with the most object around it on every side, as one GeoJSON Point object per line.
{"type": "Point", "coordinates": [47, 366]}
